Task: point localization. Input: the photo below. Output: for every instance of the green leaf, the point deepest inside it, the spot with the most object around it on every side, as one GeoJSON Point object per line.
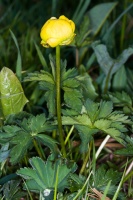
{"type": "Point", "coordinates": [8, 132]}
{"type": "Point", "coordinates": [130, 81]}
{"type": "Point", "coordinates": [92, 109]}
{"type": "Point", "coordinates": [105, 109]}
{"type": "Point", "coordinates": [119, 116]}
{"type": "Point", "coordinates": [83, 32]}
{"type": "Point", "coordinates": [47, 84]}
{"type": "Point", "coordinates": [121, 98]}
{"type": "Point", "coordinates": [41, 57]}
{"type": "Point", "coordinates": [97, 117]}
{"type": "Point", "coordinates": [81, 8]}
{"type": "Point", "coordinates": [47, 180]}
{"type": "Point", "coordinates": [102, 124]}
{"type": "Point", "coordinates": [87, 86]}
{"type": "Point", "coordinates": [40, 76]}
{"type": "Point", "coordinates": [11, 190]}
{"type": "Point", "coordinates": [72, 98]}
{"type": "Point", "coordinates": [128, 151]}
{"type": "Point", "coordinates": [85, 134]}
{"type": "Point", "coordinates": [107, 64]}
{"type": "Point", "coordinates": [112, 26]}
{"type": "Point", "coordinates": [37, 124]}
{"type": "Point", "coordinates": [21, 137]}
{"type": "Point", "coordinates": [70, 73]}
{"type": "Point", "coordinates": [11, 93]}
{"type": "Point", "coordinates": [120, 79]}
{"type": "Point", "coordinates": [21, 144]}
{"type": "Point", "coordinates": [19, 60]}
{"type": "Point", "coordinates": [97, 111]}
{"type": "Point", "coordinates": [48, 141]}
{"type": "Point", "coordinates": [98, 15]}
{"type": "Point", "coordinates": [71, 83]}
{"type": "Point", "coordinates": [80, 119]}
{"type": "Point", "coordinates": [4, 152]}
{"type": "Point", "coordinates": [101, 178]}
{"type": "Point", "coordinates": [50, 96]}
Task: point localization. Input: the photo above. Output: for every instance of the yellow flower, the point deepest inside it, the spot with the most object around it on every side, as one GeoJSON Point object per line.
{"type": "Point", "coordinates": [57, 32]}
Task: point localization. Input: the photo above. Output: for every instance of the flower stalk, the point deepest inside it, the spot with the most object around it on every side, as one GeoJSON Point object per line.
{"type": "Point", "coordinates": [58, 101]}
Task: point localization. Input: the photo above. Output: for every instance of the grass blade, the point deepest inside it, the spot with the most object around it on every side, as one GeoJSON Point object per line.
{"type": "Point", "coordinates": [19, 60]}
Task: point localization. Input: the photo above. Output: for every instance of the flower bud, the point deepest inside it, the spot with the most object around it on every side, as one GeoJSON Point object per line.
{"type": "Point", "coordinates": [57, 32]}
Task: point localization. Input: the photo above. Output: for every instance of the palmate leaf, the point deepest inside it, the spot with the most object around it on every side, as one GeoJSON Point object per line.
{"type": "Point", "coordinates": [37, 124]}
{"type": "Point", "coordinates": [99, 117]}
{"type": "Point", "coordinates": [11, 190]}
{"type": "Point", "coordinates": [43, 175]}
{"type": "Point", "coordinates": [67, 74]}
{"type": "Point", "coordinates": [21, 137]}
{"type": "Point", "coordinates": [12, 98]}
{"type": "Point", "coordinates": [101, 178]}
{"type": "Point", "coordinates": [96, 110]}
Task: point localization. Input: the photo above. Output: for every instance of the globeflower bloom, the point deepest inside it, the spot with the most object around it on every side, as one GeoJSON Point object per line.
{"type": "Point", "coordinates": [57, 32]}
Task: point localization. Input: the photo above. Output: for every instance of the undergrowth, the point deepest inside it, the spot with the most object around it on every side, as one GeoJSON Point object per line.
{"type": "Point", "coordinates": [96, 83]}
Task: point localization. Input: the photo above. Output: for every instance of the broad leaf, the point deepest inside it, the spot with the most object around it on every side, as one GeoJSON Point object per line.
{"type": "Point", "coordinates": [12, 98]}
{"type": "Point", "coordinates": [120, 80]}
{"type": "Point", "coordinates": [108, 64]}
{"type": "Point", "coordinates": [21, 137]}
{"type": "Point", "coordinates": [99, 117]}
{"type": "Point", "coordinates": [99, 14]}
{"type": "Point", "coordinates": [40, 180]}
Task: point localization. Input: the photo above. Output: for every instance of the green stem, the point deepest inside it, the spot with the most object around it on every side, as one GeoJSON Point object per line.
{"type": "Point", "coordinates": [87, 156]}
{"type": "Point", "coordinates": [56, 183]}
{"type": "Point", "coordinates": [58, 101]}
